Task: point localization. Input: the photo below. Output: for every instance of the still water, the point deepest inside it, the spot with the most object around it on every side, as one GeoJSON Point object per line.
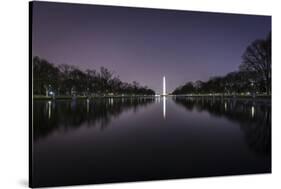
{"type": "Point", "coordinates": [132, 139]}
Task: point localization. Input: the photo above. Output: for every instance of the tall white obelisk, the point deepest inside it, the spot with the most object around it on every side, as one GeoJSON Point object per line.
{"type": "Point", "coordinates": [164, 86]}
{"type": "Point", "coordinates": [164, 97]}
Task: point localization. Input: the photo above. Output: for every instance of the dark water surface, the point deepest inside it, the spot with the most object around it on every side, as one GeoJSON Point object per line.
{"type": "Point", "coordinates": [132, 139]}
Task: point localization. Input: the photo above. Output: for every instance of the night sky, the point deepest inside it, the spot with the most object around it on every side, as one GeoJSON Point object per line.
{"type": "Point", "coordinates": [144, 44]}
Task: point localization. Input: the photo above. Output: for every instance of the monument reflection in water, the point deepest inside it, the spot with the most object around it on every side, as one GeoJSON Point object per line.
{"type": "Point", "coordinates": [131, 139]}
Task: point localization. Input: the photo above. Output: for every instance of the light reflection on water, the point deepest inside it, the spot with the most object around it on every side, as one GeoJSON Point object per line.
{"type": "Point", "coordinates": [88, 105]}
{"type": "Point", "coordinates": [49, 109]}
{"type": "Point", "coordinates": [164, 107]}
{"type": "Point", "coordinates": [253, 111]}
{"type": "Point", "coordinates": [202, 136]}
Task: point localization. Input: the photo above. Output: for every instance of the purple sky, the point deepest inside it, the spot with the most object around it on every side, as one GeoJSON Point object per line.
{"type": "Point", "coordinates": [144, 44]}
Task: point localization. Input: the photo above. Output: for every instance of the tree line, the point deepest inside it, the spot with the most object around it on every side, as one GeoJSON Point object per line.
{"type": "Point", "coordinates": [49, 80]}
{"type": "Point", "coordinates": [253, 76]}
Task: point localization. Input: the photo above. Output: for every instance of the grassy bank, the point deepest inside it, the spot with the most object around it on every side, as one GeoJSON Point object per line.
{"type": "Point", "coordinates": [226, 96]}
{"type": "Point", "coordinates": [257, 97]}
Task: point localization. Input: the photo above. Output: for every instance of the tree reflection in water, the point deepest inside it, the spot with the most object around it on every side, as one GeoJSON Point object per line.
{"type": "Point", "coordinates": [254, 117]}
{"type": "Point", "coordinates": [62, 115]}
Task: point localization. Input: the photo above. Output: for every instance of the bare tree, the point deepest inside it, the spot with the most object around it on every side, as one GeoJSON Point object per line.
{"type": "Point", "coordinates": [257, 58]}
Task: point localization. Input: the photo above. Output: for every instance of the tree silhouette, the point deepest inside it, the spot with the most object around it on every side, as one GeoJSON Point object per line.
{"type": "Point", "coordinates": [257, 58]}
{"type": "Point", "coordinates": [70, 80]}
{"type": "Point", "coordinates": [253, 77]}
{"type": "Point", "coordinates": [45, 76]}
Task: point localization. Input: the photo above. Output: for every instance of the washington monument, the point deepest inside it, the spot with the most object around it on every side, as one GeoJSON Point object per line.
{"type": "Point", "coordinates": [164, 86]}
